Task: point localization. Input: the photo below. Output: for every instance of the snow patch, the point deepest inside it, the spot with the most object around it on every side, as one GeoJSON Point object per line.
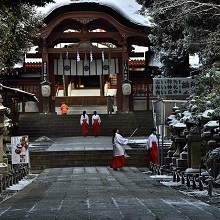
{"type": "Point", "coordinates": [129, 9]}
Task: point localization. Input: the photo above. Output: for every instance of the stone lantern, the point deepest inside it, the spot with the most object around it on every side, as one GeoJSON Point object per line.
{"type": "Point", "coordinates": [194, 140]}
{"type": "Point", "coordinates": [180, 142]}
{"type": "Point", "coordinates": [3, 165]}
{"type": "Point", "coordinates": [126, 90]}
{"type": "Point", "coordinates": [46, 93]}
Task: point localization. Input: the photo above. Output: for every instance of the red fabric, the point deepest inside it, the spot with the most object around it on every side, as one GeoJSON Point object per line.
{"type": "Point", "coordinates": [96, 127]}
{"type": "Point", "coordinates": [84, 128]}
{"type": "Point", "coordinates": [118, 162]}
{"type": "Point", "coordinates": [152, 154]}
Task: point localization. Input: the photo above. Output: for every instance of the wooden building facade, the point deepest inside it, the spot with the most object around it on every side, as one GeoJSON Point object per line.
{"type": "Point", "coordinates": [86, 45]}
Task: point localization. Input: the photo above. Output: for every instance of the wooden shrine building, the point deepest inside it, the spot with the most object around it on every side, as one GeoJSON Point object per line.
{"type": "Point", "coordinates": [86, 45]}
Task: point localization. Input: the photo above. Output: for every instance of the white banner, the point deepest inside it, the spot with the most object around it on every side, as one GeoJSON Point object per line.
{"type": "Point", "coordinates": [173, 86]}
{"type": "Point", "coordinates": [20, 149]}
{"type": "Point", "coordinates": [82, 68]}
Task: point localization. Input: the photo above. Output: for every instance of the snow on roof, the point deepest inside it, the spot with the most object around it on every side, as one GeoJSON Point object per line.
{"type": "Point", "coordinates": [129, 9]}
{"type": "Point", "coordinates": [212, 124]}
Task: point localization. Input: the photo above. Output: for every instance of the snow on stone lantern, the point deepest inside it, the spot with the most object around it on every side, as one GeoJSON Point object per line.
{"type": "Point", "coordinates": [213, 144]}
{"type": "Point", "coordinates": [194, 140]}
{"type": "Point", "coordinates": [180, 142]}
{"type": "Point", "coordinates": [171, 121]}
{"type": "Point", "coordinates": [3, 165]}
{"type": "Point", "coordinates": [207, 131]}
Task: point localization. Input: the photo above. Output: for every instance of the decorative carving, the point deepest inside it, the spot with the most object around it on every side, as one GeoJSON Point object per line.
{"type": "Point", "coordinates": [83, 45]}
{"type": "Point", "coordinates": [125, 34]}
{"type": "Point", "coordinates": [84, 20]}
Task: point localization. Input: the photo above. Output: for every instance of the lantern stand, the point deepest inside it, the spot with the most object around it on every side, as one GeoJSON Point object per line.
{"type": "Point", "coordinates": [46, 92]}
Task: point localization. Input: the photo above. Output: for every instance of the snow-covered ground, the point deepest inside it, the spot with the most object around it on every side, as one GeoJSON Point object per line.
{"type": "Point", "coordinates": [196, 193]}
{"type": "Point", "coordinates": [10, 191]}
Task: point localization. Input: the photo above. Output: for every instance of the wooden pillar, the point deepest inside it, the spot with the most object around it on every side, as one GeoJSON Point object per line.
{"type": "Point", "coordinates": [125, 72]}
{"type": "Point", "coordinates": [46, 106]}
{"type": "Point", "coordinates": [119, 90]}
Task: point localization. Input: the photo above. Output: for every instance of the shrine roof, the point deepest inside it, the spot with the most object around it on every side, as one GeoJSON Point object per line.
{"type": "Point", "coordinates": [18, 94]}
{"type": "Point", "coordinates": [130, 10]}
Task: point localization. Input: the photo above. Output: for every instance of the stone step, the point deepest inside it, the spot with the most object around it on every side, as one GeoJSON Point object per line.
{"type": "Point", "coordinates": [57, 159]}
{"type": "Point", "coordinates": [36, 125]}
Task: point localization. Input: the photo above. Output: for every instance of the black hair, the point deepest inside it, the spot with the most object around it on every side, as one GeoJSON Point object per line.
{"type": "Point", "coordinates": [84, 113]}
{"type": "Point", "coordinates": [95, 112]}
{"type": "Point", "coordinates": [153, 129]}
{"type": "Point", "coordinates": [114, 130]}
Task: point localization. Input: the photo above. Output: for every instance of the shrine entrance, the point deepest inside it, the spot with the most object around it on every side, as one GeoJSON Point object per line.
{"type": "Point", "coordinates": [87, 49]}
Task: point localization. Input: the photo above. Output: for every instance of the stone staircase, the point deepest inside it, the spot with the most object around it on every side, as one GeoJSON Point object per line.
{"type": "Point", "coordinates": [56, 159]}
{"type": "Point", "coordinates": [52, 126]}
{"type": "Point", "coordinates": [36, 125]}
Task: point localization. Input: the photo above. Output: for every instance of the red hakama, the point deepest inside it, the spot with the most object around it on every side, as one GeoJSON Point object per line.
{"type": "Point", "coordinates": [152, 154]}
{"type": "Point", "coordinates": [96, 127]}
{"type": "Point", "coordinates": [84, 127]}
{"type": "Point", "coordinates": [118, 162]}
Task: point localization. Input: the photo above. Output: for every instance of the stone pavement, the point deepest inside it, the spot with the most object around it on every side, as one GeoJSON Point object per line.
{"type": "Point", "coordinates": [100, 193]}
{"type": "Point", "coordinates": [81, 143]}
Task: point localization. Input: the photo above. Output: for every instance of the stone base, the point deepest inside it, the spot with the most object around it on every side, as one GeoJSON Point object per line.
{"type": "Point", "coordinates": [181, 163]}
{"type": "Point", "coordinates": [3, 167]}
{"type": "Point", "coordinates": [184, 155]}
{"type": "Point", "coordinates": [194, 170]}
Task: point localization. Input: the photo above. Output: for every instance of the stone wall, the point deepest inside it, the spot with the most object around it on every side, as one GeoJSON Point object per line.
{"type": "Point", "coordinates": [36, 125]}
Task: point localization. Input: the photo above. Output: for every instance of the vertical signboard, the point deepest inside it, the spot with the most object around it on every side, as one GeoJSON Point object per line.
{"type": "Point", "coordinates": [45, 70]}
{"type": "Point", "coordinates": [20, 149]}
{"type": "Point", "coordinates": [126, 70]}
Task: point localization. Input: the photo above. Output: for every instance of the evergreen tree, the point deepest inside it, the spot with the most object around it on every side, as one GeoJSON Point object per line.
{"type": "Point", "coordinates": [183, 27]}
{"type": "Point", "coordinates": [18, 24]}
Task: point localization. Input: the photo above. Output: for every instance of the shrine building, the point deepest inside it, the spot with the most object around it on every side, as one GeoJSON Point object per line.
{"type": "Point", "coordinates": [89, 50]}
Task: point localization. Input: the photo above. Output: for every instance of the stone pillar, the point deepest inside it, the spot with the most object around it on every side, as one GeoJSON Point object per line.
{"type": "Point", "coordinates": [194, 153]}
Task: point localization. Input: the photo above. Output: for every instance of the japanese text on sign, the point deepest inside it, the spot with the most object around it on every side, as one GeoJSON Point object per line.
{"type": "Point", "coordinates": [173, 86]}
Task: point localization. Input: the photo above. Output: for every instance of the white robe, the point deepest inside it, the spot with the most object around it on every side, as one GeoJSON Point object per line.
{"type": "Point", "coordinates": [86, 117]}
{"type": "Point", "coordinates": [97, 117]}
{"type": "Point", "coordinates": [118, 148]}
{"type": "Point", "coordinates": [151, 138]}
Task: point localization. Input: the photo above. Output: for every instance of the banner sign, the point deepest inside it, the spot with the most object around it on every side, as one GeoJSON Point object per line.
{"type": "Point", "coordinates": [173, 86]}
{"type": "Point", "coordinates": [45, 70]}
{"type": "Point", "coordinates": [71, 67]}
{"type": "Point", "coordinates": [125, 69]}
{"type": "Point", "coordinates": [20, 149]}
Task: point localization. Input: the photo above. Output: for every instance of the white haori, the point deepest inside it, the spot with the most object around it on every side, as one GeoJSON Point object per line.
{"type": "Point", "coordinates": [96, 117]}
{"type": "Point", "coordinates": [118, 148]}
{"type": "Point", "coordinates": [86, 117]}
